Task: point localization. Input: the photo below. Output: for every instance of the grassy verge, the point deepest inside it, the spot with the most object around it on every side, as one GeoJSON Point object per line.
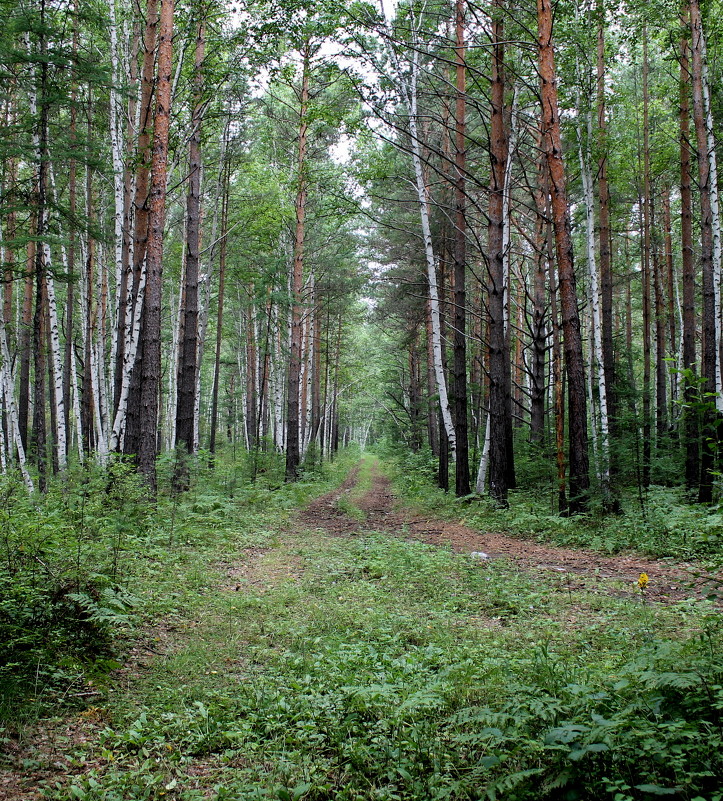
{"type": "Point", "coordinates": [294, 665]}
{"type": "Point", "coordinates": [83, 569]}
{"type": "Point", "coordinates": [667, 525]}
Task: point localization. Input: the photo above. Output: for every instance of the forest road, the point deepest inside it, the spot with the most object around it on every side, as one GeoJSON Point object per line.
{"type": "Point", "coordinates": [669, 582]}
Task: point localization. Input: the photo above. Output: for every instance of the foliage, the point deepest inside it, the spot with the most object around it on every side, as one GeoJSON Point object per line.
{"type": "Point", "coordinates": [62, 575]}
{"type": "Point", "coordinates": [394, 670]}
{"type": "Point", "coordinates": [73, 563]}
{"type": "Point", "coordinates": [666, 525]}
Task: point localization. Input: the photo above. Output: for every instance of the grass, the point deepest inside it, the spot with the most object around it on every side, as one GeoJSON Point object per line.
{"type": "Point", "coordinates": [258, 660]}
{"type": "Point", "coordinates": [287, 664]}
{"type": "Point", "coordinates": [667, 526]}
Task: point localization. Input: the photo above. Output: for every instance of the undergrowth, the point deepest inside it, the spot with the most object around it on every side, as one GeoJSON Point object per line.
{"type": "Point", "coordinates": [665, 525]}
{"type": "Point", "coordinates": [75, 563]}
{"type": "Point", "coordinates": [393, 670]}
{"type": "Point", "coordinates": [288, 664]}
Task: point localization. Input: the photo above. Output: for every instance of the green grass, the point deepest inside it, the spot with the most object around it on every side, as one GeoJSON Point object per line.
{"type": "Point", "coordinates": [667, 526]}
{"type": "Point", "coordinates": [378, 668]}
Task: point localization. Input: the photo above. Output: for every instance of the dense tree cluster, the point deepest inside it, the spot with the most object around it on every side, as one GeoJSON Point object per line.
{"type": "Point", "coordinates": [190, 197]}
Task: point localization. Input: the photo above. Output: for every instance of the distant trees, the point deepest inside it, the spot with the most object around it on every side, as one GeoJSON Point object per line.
{"type": "Point", "coordinates": [549, 266]}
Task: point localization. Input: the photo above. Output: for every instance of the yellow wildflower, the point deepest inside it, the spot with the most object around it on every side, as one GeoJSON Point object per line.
{"type": "Point", "coordinates": [643, 581]}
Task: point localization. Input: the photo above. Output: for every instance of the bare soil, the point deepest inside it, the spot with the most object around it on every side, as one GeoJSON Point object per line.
{"type": "Point", "coordinates": [617, 575]}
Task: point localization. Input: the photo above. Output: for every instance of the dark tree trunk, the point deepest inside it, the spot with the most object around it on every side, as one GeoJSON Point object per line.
{"type": "Point", "coordinates": [186, 394]}
{"type": "Point", "coordinates": [645, 261]}
{"type": "Point", "coordinates": [539, 327]}
{"type": "Point", "coordinates": [151, 365]}
{"type": "Point", "coordinates": [499, 357]}
{"type": "Point", "coordinates": [415, 393]}
{"type": "Point", "coordinates": [25, 337]}
{"type": "Point", "coordinates": [690, 419]}
{"type": "Point", "coordinates": [132, 439]}
{"type": "Point", "coordinates": [39, 348]}
{"type": "Point", "coordinates": [86, 403]}
{"type": "Point", "coordinates": [462, 481]}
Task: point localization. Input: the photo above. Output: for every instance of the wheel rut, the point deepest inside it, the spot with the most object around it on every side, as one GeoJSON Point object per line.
{"type": "Point", "coordinates": [615, 575]}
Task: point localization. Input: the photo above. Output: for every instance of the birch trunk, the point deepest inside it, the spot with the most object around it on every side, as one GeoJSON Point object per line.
{"type": "Point", "coordinates": [407, 91]}
{"type": "Point", "coordinates": [597, 362]}
{"type": "Point", "coordinates": [710, 313]}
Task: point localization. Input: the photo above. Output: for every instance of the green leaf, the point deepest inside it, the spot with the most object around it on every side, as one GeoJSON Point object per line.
{"type": "Point", "coordinates": [656, 789]}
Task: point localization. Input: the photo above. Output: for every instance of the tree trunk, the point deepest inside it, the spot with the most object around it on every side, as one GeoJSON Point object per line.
{"type": "Point", "coordinates": [539, 327]}
{"type": "Point", "coordinates": [606, 276]}
{"type": "Point", "coordinates": [462, 478]}
{"type": "Point", "coordinates": [219, 311]}
{"type": "Point", "coordinates": [151, 364]}
{"type": "Point", "coordinates": [597, 364]}
{"type": "Point", "coordinates": [25, 337]}
{"type": "Point", "coordinates": [574, 359]}
{"type": "Point", "coordinates": [645, 261]}
{"type": "Point", "coordinates": [709, 360]}
{"type": "Point", "coordinates": [670, 284]}
{"type": "Point", "coordinates": [690, 419]}
{"type": "Point", "coordinates": [661, 386]}
{"type": "Point", "coordinates": [186, 396]}
{"type": "Point", "coordinates": [293, 455]}
{"type": "Point", "coordinates": [128, 413]}
{"type": "Point", "coordinates": [499, 357]}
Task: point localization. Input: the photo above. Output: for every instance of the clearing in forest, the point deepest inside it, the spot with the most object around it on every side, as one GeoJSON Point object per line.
{"type": "Point", "coordinates": [357, 649]}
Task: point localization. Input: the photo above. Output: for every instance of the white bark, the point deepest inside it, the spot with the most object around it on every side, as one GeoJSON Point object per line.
{"type": "Point", "coordinates": [61, 434]}
{"type": "Point", "coordinates": [506, 217]}
{"type": "Point", "coordinates": [596, 321]}
{"type": "Point", "coordinates": [410, 90]}
{"type": "Point", "coordinates": [116, 139]}
{"type": "Point", "coordinates": [484, 460]}
{"type": "Point", "coordinates": [715, 213]}
{"type": "Point", "coordinates": [129, 358]}
{"type": "Point", "coordinates": [10, 406]}
{"type": "Point", "coordinates": [74, 376]}
{"type": "Point", "coordinates": [60, 431]}
{"type": "Point", "coordinates": [278, 384]}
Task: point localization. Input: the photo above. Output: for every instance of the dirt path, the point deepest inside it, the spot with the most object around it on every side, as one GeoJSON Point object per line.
{"type": "Point", "coordinates": [47, 749]}
{"type": "Point", "coordinates": [617, 575]}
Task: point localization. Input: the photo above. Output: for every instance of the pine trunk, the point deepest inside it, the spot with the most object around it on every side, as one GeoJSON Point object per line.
{"type": "Point", "coordinates": [151, 364]}
{"type": "Point", "coordinates": [499, 357]}
{"type": "Point", "coordinates": [574, 359]}
{"type": "Point", "coordinates": [462, 478]}
{"type": "Point", "coordinates": [186, 397]}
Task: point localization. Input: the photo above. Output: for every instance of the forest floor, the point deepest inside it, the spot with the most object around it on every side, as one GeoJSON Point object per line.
{"type": "Point", "coordinates": [618, 575]}
{"type": "Point", "coordinates": [315, 599]}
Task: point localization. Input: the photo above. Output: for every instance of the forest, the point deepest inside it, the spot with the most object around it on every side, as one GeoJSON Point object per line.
{"type": "Point", "coordinates": [361, 390]}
